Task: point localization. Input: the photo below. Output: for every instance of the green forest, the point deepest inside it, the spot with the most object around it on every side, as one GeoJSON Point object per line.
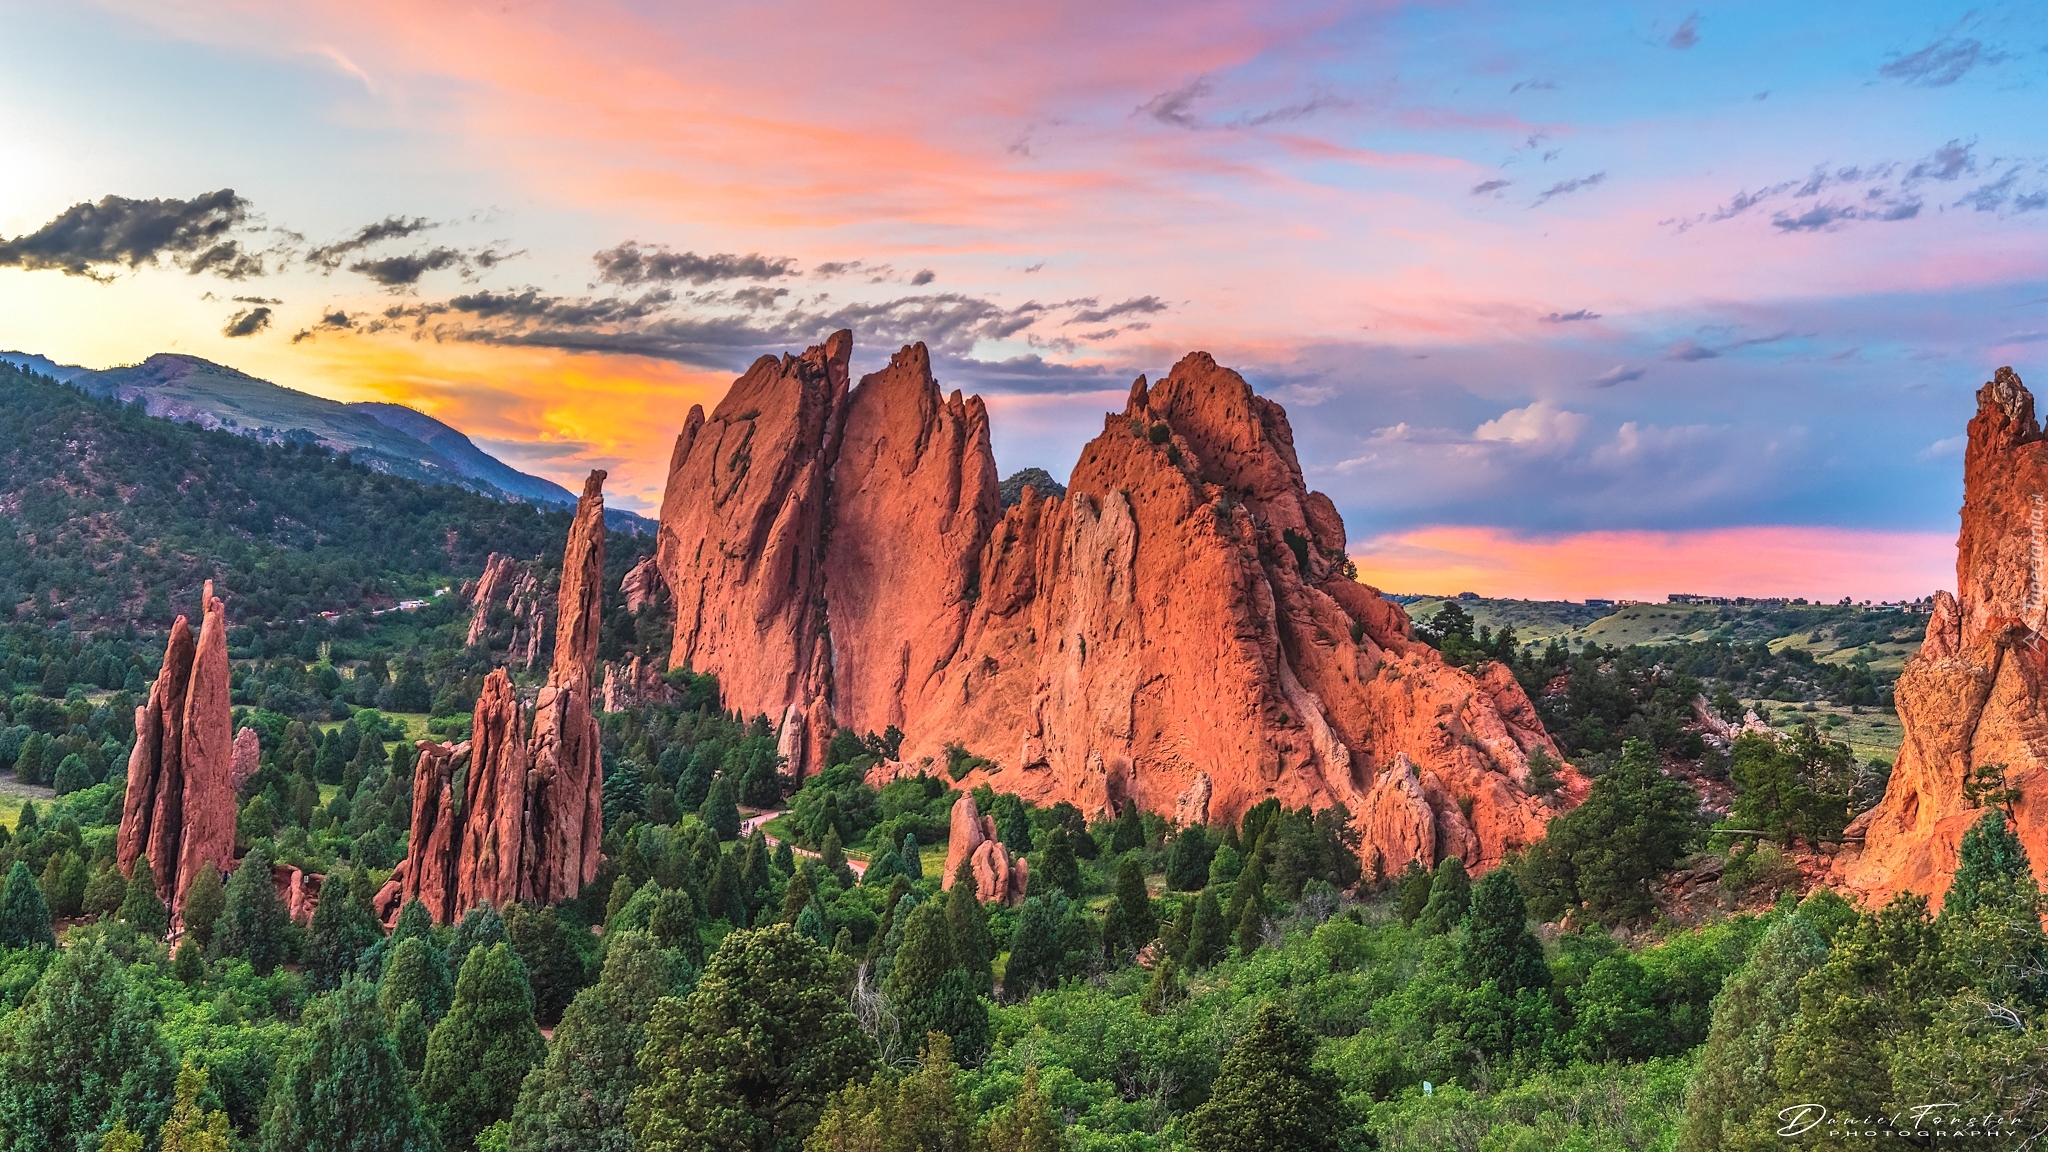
{"type": "Point", "coordinates": [768, 964]}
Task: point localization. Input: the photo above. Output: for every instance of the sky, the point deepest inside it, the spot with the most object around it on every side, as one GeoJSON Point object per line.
{"type": "Point", "coordinates": [1601, 300]}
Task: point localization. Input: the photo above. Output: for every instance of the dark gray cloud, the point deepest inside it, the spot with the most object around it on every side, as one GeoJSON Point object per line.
{"type": "Point", "coordinates": [1886, 191]}
{"type": "Point", "coordinates": [247, 323]}
{"type": "Point", "coordinates": [1619, 374]}
{"type": "Point", "coordinates": [1941, 63]}
{"type": "Point", "coordinates": [1138, 306]}
{"type": "Point", "coordinates": [1534, 86]}
{"type": "Point", "coordinates": [1568, 317]}
{"type": "Point", "coordinates": [1484, 187]}
{"type": "Point", "coordinates": [95, 240]}
{"type": "Point", "coordinates": [1288, 112]}
{"type": "Point", "coordinates": [1688, 33]}
{"type": "Point", "coordinates": [1566, 187]}
{"type": "Point", "coordinates": [405, 270]}
{"type": "Point", "coordinates": [256, 300]}
{"type": "Point", "coordinates": [332, 256]}
{"type": "Point", "coordinates": [1689, 350]}
{"type": "Point", "coordinates": [923, 277]}
{"type": "Point", "coordinates": [1176, 108]}
{"type": "Point", "coordinates": [1947, 162]}
{"type": "Point", "coordinates": [630, 264]}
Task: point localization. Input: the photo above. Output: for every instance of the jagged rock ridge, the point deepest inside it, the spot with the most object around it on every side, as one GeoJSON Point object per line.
{"type": "Point", "coordinates": [1972, 696]}
{"type": "Point", "coordinates": [527, 820]}
{"type": "Point", "coordinates": [179, 807]}
{"type": "Point", "coordinates": [841, 557]}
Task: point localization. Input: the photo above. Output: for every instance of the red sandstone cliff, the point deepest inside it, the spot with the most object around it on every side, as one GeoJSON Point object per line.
{"type": "Point", "coordinates": [1185, 609]}
{"type": "Point", "coordinates": [1972, 696]}
{"type": "Point", "coordinates": [179, 807]}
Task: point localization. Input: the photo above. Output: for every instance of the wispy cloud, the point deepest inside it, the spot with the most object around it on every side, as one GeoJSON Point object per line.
{"type": "Point", "coordinates": [1940, 63]}
{"type": "Point", "coordinates": [1687, 34]}
{"type": "Point", "coordinates": [1566, 187]}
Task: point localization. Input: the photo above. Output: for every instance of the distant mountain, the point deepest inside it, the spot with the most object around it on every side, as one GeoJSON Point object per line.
{"type": "Point", "coordinates": [388, 438]}
{"type": "Point", "coordinates": [456, 448]}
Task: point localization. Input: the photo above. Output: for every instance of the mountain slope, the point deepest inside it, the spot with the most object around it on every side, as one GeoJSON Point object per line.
{"type": "Point", "coordinates": [457, 449]}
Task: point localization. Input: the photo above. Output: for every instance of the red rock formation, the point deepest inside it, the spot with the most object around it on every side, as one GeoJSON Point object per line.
{"type": "Point", "coordinates": [1186, 608]}
{"type": "Point", "coordinates": [248, 757]}
{"type": "Point", "coordinates": [532, 818]}
{"type": "Point", "coordinates": [641, 585]}
{"type": "Point", "coordinates": [999, 874]}
{"type": "Point", "coordinates": [741, 546]}
{"type": "Point", "coordinates": [633, 682]}
{"type": "Point", "coordinates": [179, 807]}
{"type": "Point", "coordinates": [509, 583]}
{"type": "Point", "coordinates": [1973, 695]}
{"type": "Point", "coordinates": [432, 864]}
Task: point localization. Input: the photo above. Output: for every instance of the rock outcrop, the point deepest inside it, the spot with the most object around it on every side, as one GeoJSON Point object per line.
{"type": "Point", "coordinates": [509, 585]}
{"type": "Point", "coordinates": [999, 874]}
{"type": "Point", "coordinates": [1972, 697]}
{"type": "Point", "coordinates": [641, 585]}
{"type": "Point", "coordinates": [248, 757]}
{"type": "Point", "coordinates": [632, 682]}
{"type": "Point", "coordinates": [842, 558]}
{"type": "Point", "coordinates": [531, 817]}
{"type": "Point", "coordinates": [179, 807]}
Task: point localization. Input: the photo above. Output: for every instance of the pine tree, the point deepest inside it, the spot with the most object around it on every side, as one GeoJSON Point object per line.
{"type": "Point", "coordinates": [410, 1031]}
{"type": "Point", "coordinates": [554, 968]}
{"type": "Point", "coordinates": [141, 908]}
{"type": "Point", "coordinates": [1056, 865]}
{"type": "Point", "coordinates": [1270, 1094]}
{"type": "Point", "coordinates": [1411, 892]}
{"type": "Point", "coordinates": [416, 974]}
{"type": "Point", "coordinates": [1251, 924]}
{"type": "Point", "coordinates": [832, 858]}
{"type": "Point", "coordinates": [721, 809]}
{"type": "Point", "coordinates": [926, 1111]}
{"type": "Point", "coordinates": [253, 920]}
{"type": "Point", "coordinates": [973, 949]}
{"type": "Point", "coordinates": [1450, 893]}
{"type": "Point", "coordinates": [64, 881]}
{"type": "Point", "coordinates": [1992, 871]}
{"type": "Point", "coordinates": [1634, 825]}
{"type": "Point", "coordinates": [1734, 1081]}
{"type": "Point", "coordinates": [1035, 950]}
{"type": "Point", "coordinates": [1140, 925]}
{"type": "Point", "coordinates": [341, 1087]}
{"type": "Point", "coordinates": [24, 914]}
{"type": "Point", "coordinates": [748, 1060]}
{"type": "Point", "coordinates": [930, 989]}
{"type": "Point", "coordinates": [342, 931]}
{"type": "Point", "coordinates": [205, 900]}
{"type": "Point", "coordinates": [673, 924]}
{"type": "Point", "coordinates": [1027, 1125]}
{"type": "Point", "coordinates": [1130, 830]}
{"type": "Point", "coordinates": [1166, 989]}
{"type": "Point", "coordinates": [480, 927]}
{"type": "Point", "coordinates": [481, 1050]}
{"type": "Point", "coordinates": [797, 896]}
{"type": "Point", "coordinates": [913, 862]}
{"type": "Point", "coordinates": [82, 1050]}
{"type": "Point", "coordinates": [576, 1100]}
{"type": "Point", "coordinates": [1187, 862]}
{"type": "Point", "coordinates": [1208, 935]}
{"type": "Point", "coordinates": [192, 1128]}
{"type": "Point", "coordinates": [188, 964]}
{"type": "Point", "coordinates": [1498, 945]}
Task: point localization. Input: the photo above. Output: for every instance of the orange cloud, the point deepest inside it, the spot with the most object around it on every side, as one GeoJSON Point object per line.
{"type": "Point", "coordinates": [1818, 563]}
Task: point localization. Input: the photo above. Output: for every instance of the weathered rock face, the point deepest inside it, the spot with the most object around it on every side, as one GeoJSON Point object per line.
{"type": "Point", "coordinates": [641, 585]}
{"type": "Point", "coordinates": [1973, 695]}
{"type": "Point", "coordinates": [508, 584]}
{"type": "Point", "coordinates": [531, 821]}
{"type": "Point", "coordinates": [999, 874]}
{"type": "Point", "coordinates": [248, 757]}
{"type": "Point", "coordinates": [742, 539]}
{"type": "Point", "coordinates": [633, 682]}
{"type": "Point", "coordinates": [179, 807]}
{"type": "Point", "coordinates": [1184, 609]}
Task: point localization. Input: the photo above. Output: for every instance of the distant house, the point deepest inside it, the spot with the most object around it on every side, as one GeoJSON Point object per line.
{"type": "Point", "coordinates": [1599, 603]}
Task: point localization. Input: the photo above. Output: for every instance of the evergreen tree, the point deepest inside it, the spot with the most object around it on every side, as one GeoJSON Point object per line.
{"type": "Point", "coordinates": [1027, 1125]}
{"type": "Point", "coordinates": [1450, 893]}
{"type": "Point", "coordinates": [1634, 825]}
{"type": "Point", "coordinates": [1992, 871]}
{"type": "Point", "coordinates": [1498, 945]}
{"type": "Point", "coordinates": [205, 900]}
{"type": "Point", "coordinates": [24, 914]}
{"type": "Point", "coordinates": [479, 1052]}
{"type": "Point", "coordinates": [410, 1031]}
{"type": "Point", "coordinates": [554, 968]}
{"type": "Point", "coordinates": [747, 1061]}
{"type": "Point", "coordinates": [930, 989]}
{"type": "Point", "coordinates": [1411, 892]}
{"type": "Point", "coordinates": [1140, 925]}
{"type": "Point", "coordinates": [416, 974]}
{"type": "Point", "coordinates": [1270, 1094]}
{"type": "Point", "coordinates": [1057, 869]}
{"type": "Point", "coordinates": [342, 931]}
{"type": "Point", "coordinates": [1166, 989]}
{"type": "Point", "coordinates": [1130, 830]}
{"type": "Point", "coordinates": [64, 880]}
{"type": "Point", "coordinates": [832, 858]}
{"type": "Point", "coordinates": [1251, 925]}
{"type": "Point", "coordinates": [188, 964]}
{"type": "Point", "coordinates": [341, 1087]}
{"type": "Point", "coordinates": [913, 862]}
{"type": "Point", "coordinates": [480, 927]}
{"type": "Point", "coordinates": [694, 784]}
{"type": "Point", "coordinates": [141, 908]}
{"type": "Point", "coordinates": [673, 924]}
{"type": "Point", "coordinates": [1035, 949]}
{"type": "Point", "coordinates": [624, 792]}
{"type": "Point", "coordinates": [973, 949]}
{"type": "Point", "coordinates": [797, 897]}
{"type": "Point", "coordinates": [192, 1128]}
{"type": "Point", "coordinates": [1208, 935]}
{"type": "Point", "coordinates": [576, 1100]}
{"type": "Point", "coordinates": [253, 921]}
{"type": "Point", "coordinates": [720, 811]}
{"type": "Point", "coordinates": [82, 1050]}
{"type": "Point", "coordinates": [1732, 1085]}
{"type": "Point", "coordinates": [926, 1111]}
{"type": "Point", "coordinates": [1188, 860]}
